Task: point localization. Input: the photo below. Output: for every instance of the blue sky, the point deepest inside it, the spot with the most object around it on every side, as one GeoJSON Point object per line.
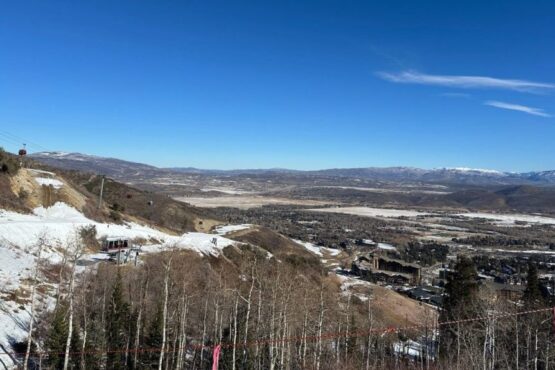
{"type": "Point", "coordinates": [296, 84]}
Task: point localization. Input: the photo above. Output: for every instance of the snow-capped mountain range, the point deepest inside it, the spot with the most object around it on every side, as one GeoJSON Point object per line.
{"type": "Point", "coordinates": [127, 170]}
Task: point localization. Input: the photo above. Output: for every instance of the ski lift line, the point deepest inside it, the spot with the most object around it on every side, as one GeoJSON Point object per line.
{"type": "Point", "coordinates": [8, 140]}
{"type": "Point", "coordinates": [19, 140]}
{"type": "Point", "coordinates": [326, 336]}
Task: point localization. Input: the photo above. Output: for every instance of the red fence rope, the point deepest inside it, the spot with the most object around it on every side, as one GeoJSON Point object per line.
{"type": "Point", "coordinates": [263, 341]}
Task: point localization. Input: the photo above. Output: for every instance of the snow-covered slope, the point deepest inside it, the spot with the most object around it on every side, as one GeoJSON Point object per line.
{"type": "Point", "coordinates": [56, 226]}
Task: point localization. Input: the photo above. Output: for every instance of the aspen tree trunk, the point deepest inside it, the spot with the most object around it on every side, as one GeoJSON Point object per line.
{"type": "Point", "coordinates": [70, 319]}
{"type": "Point", "coordinates": [235, 329]}
{"type": "Point", "coordinates": [32, 309]}
{"type": "Point", "coordinates": [304, 339]}
{"type": "Point", "coordinates": [547, 346]}
{"type": "Point", "coordinates": [337, 345]}
{"type": "Point", "coordinates": [139, 321]}
{"type": "Point", "coordinates": [284, 344]}
{"type": "Point", "coordinates": [165, 312]}
{"type": "Point", "coordinates": [203, 332]}
{"type": "Point", "coordinates": [61, 278]}
{"type": "Point", "coordinates": [283, 324]}
{"type": "Point", "coordinates": [246, 334]}
{"type": "Point", "coordinates": [320, 326]}
{"type": "Point", "coordinates": [85, 331]}
{"type": "Point", "coordinates": [528, 347]}
{"type": "Point", "coordinates": [170, 355]}
{"type": "Point", "coordinates": [272, 324]}
{"type": "Point", "coordinates": [182, 333]}
{"type": "Point", "coordinates": [347, 328]}
{"type": "Point", "coordinates": [536, 350]}
{"type": "Point", "coordinates": [258, 323]}
{"type": "Point", "coordinates": [370, 321]}
{"type": "Point", "coordinates": [517, 342]}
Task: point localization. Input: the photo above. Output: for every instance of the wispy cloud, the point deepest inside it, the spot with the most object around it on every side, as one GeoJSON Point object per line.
{"type": "Point", "coordinates": [518, 108]}
{"type": "Point", "coordinates": [456, 95]}
{"type": "Point", "coordinates": [465, 82]}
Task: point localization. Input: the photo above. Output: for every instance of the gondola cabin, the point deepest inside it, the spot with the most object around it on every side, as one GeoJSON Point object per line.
{"type": "Point", "coordinates": [114, 244]}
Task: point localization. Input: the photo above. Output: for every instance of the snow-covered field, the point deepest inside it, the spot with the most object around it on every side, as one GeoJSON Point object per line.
{"type": "Point", "coordinates": [231, 191]}
{"type": "Point", "coordinates": [509, 219]}
{"type": "Point", "coordinates": [502, 219]}
{"type": "Point", "coordinates": [58, 223]}
{"type": "Point", "coordinates": [372, 212]}
{"type": "Point", "coordinates": [244, 201]}
{"type": "Point", "coordinates": [387, 190]}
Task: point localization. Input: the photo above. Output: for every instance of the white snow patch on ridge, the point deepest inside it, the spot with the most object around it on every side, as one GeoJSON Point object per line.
{"type": "Point", "coordinates": [317, 250]}
{"type": "Point", "coordinates": [57, 184]}
{"type": "Point", "coordinates": [59, 222]}
{"type": "Point", "coordinates": [385, 246]}
{"type": "Point", "coordinates": [226, 229]}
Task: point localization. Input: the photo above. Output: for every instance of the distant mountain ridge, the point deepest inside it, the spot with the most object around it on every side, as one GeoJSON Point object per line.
{"type": "Point", "coordinates": [122, 169]}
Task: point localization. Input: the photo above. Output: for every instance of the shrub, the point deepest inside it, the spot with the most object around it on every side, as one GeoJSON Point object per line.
{"type": "Point", "coordinates": [115, 216]}
{"type": "Point", "coordinates": [88, 236]}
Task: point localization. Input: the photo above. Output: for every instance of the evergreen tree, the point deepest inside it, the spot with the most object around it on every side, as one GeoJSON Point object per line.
{"type": "Point", "coordinates": [154, 337]}
{"type": "Point", "coordinates": [56, 339]}
{"type": "Point", "coordinates": [116, 326]}
{"type": "Point", "coordinates": [461, 289]}
{"type": "Point", "coordinates": [532, 295]}
{"type": "Point", "coordinates": [458, 303]}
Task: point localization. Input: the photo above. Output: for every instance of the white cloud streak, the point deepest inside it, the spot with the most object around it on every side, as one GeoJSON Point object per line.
{"type": "Point", "coordinates": [465, 82]}
{"type": "Point", "coordinates": [517, 107]}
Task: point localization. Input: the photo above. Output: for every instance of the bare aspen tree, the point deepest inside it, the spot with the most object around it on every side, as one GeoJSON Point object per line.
{"type": "Point", "coordinates": [258, 323]}
{"type": "Point", "coordinates": [167, 269]}
{"type": "Point", "coordinates": [369, 343]}
{"type": "Point", "coordinates": [273, 322]}
{"type": "Point", "coordinates": [235, 329]}
{"type": "Point", "coordinates": [182, 330]}
{"type": "Point", "coordinates": [304, 332]}
{"type": "Point", "coordinates": [203, 331]}
{"type": "Point", "coordinates": [144, 288]}
{"type": "Point", "coordinates": [248, 313]}
{"type": "Point", "coordinates": [347, 326]}
{"type": "Point", "coordinates": [76, 250]}
{"type": "Point", "coordinates": [85, 323]}
{"type": "Point", "coordinates": [40, 245]}
{"type": "Point", "coordinates": [320, 327]}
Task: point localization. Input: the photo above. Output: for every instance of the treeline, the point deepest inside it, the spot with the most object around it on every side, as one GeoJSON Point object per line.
{"type": "Point", "coordinates": [496, 241]}
{"type": "Point", "coordinates": [170, 311]}
{"type": "Point", "coordinates": [424, 253]}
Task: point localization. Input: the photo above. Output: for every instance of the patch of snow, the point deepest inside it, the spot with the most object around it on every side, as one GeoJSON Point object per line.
{"type": "Point", "coordinates": [475, 170]}
{"type": "Point", "coordinates": [226, 229]}
{"type": "Point", "coordinates": [509, 218]}
{"type": "Point", "coordinates": [59, 222]}
{"type": "Point", "coordinates": [310, 247]}
{"type": "Point", "coordinates": [202, 243]}
{"type": "Point", "coordinates": [57, 184]}
{"type": "Point", "coordinates": [42, 172]}
{"type": "Point", "coordinates": [372, 212]}
{"type": "Point", "coordinates": [385, 246]}
{"type": "Point", "coordinates": [317, 250]}
{"type": "Point", "coordinates": [231, 191]}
